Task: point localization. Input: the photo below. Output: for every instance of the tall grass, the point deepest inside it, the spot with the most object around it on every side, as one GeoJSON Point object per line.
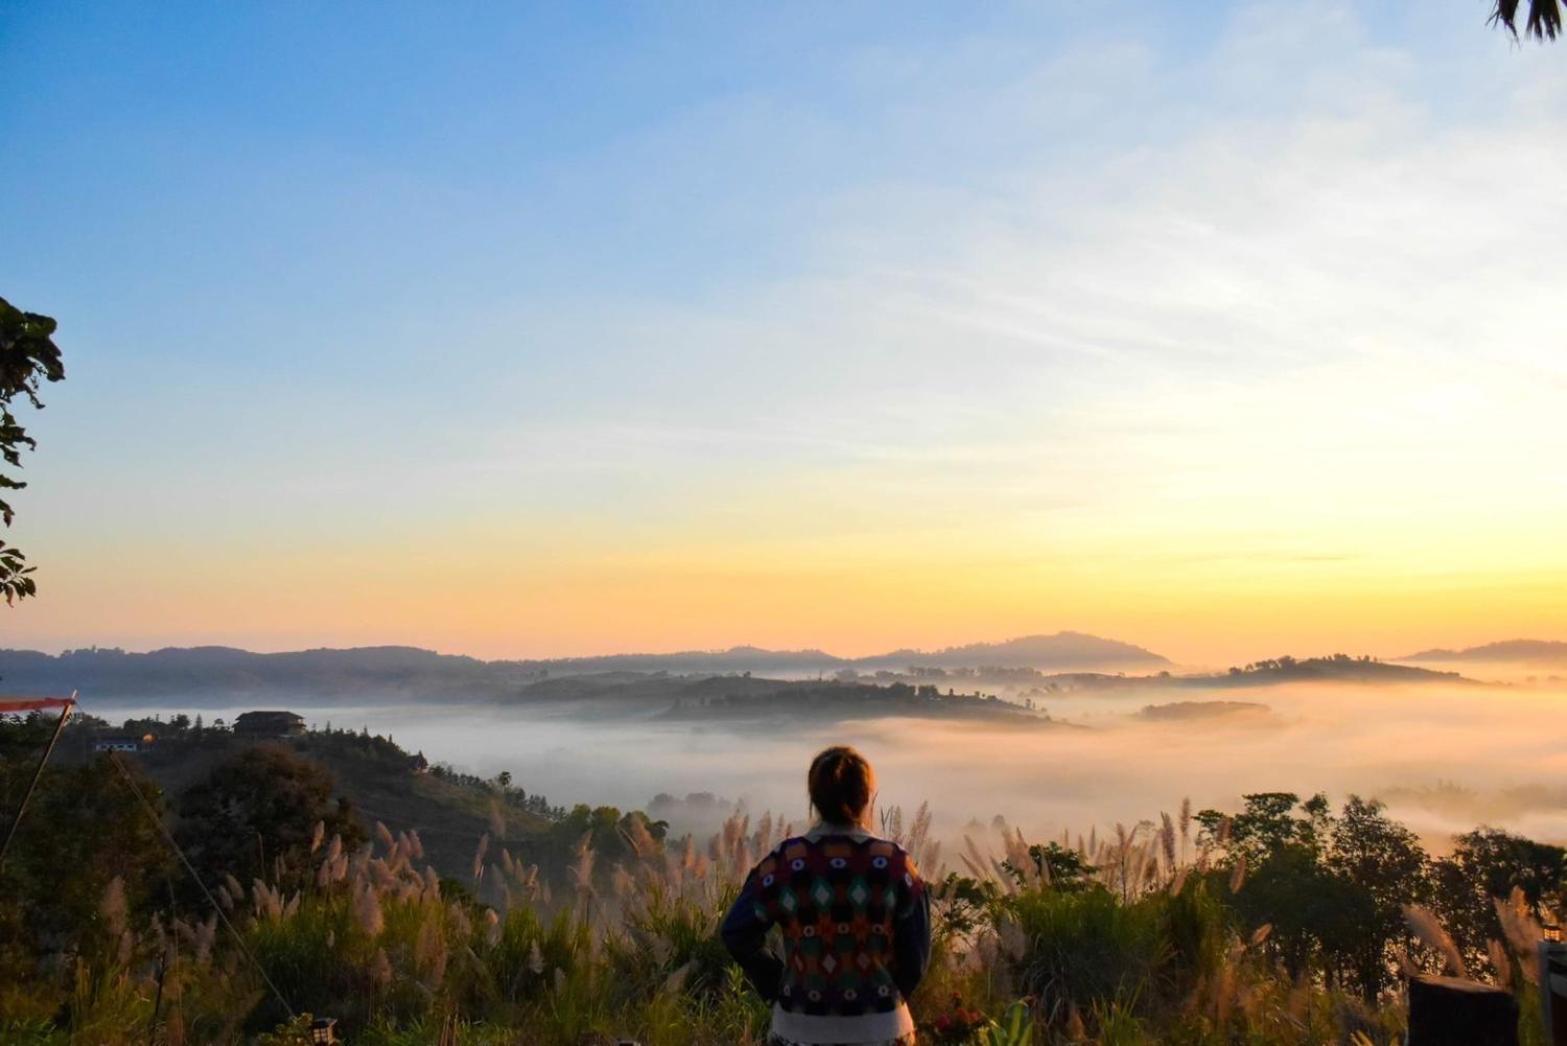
{"type": "Point", "coordinates": [1122, 939]}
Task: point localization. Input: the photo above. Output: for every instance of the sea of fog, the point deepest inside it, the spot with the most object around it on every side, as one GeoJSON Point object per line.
{"type": "Point", "coordinates": [1444, 757]}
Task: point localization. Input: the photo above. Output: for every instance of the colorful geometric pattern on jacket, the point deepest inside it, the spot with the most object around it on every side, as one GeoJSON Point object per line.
{"type": "Point", "coordinates": [838, 902]}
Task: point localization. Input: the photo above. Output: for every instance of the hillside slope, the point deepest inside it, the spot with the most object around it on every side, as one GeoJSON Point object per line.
{"type": "Point", "coordinates": [450, 813]}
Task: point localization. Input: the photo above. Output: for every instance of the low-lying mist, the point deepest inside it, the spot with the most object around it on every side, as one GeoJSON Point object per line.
{"type": "Point", "coordinates": [1444, 757]}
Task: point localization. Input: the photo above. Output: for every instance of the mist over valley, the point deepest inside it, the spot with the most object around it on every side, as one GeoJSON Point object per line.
{"type": "Point", "coordinates": [1046, 744]}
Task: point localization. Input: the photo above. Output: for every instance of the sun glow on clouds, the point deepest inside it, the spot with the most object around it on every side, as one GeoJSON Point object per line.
{"type": "Point", "coordinates": [1226, 357]}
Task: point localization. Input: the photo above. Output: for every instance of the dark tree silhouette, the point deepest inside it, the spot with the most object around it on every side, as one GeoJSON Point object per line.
{"type": "Point", "coordinates": [83, 829]}
{"type": "Point", "coordinates": [28, 356]}
{"type": "Point", "coordinates": [1543, 20]}
{"type": "Point", "coordinates": [1332, 887]}
{"type": "Point", "coordinates": [254, 815]}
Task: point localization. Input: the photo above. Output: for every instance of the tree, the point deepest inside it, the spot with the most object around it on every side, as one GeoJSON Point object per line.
{"type": "Point", "coordinates": [1543, 22]}
{"type": "Point", "coordinates": [28, 355]}
{"type": "Point", "coordinates": [1266, 826]}
{"type": "Point", "coordinates": [1496, 861]}
{"type": "Point", "coordinates": [1064, 869]}
{"type": "Point", "coordinates": [84, 828]}
{"type": "Point", "coordinates": [254, 816]}
{"type": "Point", "coordinates": [609, 833]}
{"type": "Point", "coordinates": [1286, 883]}
{"type": "Point", "coordinates": [1315, 914]}
{"type": "Point", "coordinates": [1385, 859]}
{"type": "Point", "coordinates": [1488, 863]}
{"type": "Point", "coordinates": [1332, 888]}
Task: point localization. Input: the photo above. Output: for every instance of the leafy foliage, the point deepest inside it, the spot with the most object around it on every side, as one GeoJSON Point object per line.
{"type": "Point", "coordinates": [1488, 863]}
{"type": "Point", "coordinates": [1543, 20]}
{"type": "Point", "coordinates": [1332, 889]}
{"type": "Point", "coordinates": [1062, 867]}
{"type": "Point", "coordinates": [256, 815]}
{"type": "Point", "coordinates": [84, 830]}
{"type": "Point", "coordinates": [28, 356]}
{"type": "Point", "coordinates": [1086, 946]}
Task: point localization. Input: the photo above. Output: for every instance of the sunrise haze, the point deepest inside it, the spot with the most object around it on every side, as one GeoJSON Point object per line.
{"type": "Point", "coordinates": [1226, 334]}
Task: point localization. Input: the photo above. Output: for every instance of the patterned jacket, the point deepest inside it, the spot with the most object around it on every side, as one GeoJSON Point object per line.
{"type": "Point", "coordinates": [855, 924]}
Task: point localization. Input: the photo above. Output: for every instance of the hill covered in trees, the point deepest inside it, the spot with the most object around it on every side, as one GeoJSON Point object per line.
{"type": "Point", "coordinates": [1333, 668]}
{"type": "Point", "coordinates": [747, 698]}
{"type": "Point", "coordinates": [376, 780]}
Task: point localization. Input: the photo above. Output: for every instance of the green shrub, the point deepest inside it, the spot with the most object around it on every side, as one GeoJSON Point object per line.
{"type": "Point", "coordinates": [1085, 948]}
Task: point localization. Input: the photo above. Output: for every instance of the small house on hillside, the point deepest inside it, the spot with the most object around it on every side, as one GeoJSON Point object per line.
{"type": "Point", "coordinates": [121, 743]}
{"type": "Point", "coordinates": [269, 724]}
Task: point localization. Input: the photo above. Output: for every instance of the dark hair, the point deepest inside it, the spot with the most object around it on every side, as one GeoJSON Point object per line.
{"type": "Point", "coordinates": [841, 783]}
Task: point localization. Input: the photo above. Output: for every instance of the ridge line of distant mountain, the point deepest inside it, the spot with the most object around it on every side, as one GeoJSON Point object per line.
{"type": "Point", "coordinates": [399, 668]}
{"type": "Point", "coordinates": [1504, 650]}
{"type": "Point", "coordinates": [1059, 650]}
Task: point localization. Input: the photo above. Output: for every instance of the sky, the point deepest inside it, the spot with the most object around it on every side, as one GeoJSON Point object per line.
{"type": "Point", "coordinates": [536, 330]}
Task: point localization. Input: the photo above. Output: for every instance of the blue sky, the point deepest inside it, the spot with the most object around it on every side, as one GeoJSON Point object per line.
{"type": "Point", "coordinates": [499, 315]}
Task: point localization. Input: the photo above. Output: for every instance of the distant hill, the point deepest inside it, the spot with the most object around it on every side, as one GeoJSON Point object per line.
{"type": "Point", "coordinates": [1186, 711]}
{"type": "Point", "coordinates": [735, 659]}
{"type": "Point", "coordinates": [1337, 668]}
{"type": "Point", "coordinates": [1506, 650]}
{"type": "Point", "coordinates": [196, 674]}
{"type": "Point", "coordinates": [393, 673]}
{"type": "Point", "coordinates": [719, 699]}
{"type": "Point", "coordinates": [1063, 650]}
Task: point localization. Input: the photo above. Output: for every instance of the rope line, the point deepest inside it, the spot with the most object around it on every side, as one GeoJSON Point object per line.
{"type": "Point", "coordinates": [168, 837]}
{"type": "Point", "coordinates": [38, 773]}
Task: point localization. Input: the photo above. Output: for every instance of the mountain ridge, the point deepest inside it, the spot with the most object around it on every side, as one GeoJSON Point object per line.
{"type": "Point", "coordinates": [391, 670]}
{"type": "Point", "coordinates": [1501, 650]}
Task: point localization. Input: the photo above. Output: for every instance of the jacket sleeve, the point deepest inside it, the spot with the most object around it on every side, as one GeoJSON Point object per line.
{"type": "Point", "coordinates": [744, 931]}
{"type": "Point", "coordinates": [911, 932]}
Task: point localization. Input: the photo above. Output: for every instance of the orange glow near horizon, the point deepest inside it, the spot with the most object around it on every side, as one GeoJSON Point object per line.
{"type": "Point", "coordinates": [489, 596]}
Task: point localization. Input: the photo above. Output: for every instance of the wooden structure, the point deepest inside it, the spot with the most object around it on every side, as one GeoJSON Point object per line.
{"type": "Point", "coordinates": [1454, 1011]}
{"type": "Point", "coordinates": [269, 725]}
{"type": "Point", "coordinates": [1553, 986]}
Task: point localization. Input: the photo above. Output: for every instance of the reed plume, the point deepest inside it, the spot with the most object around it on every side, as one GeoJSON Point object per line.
{"type": "Point", "coordinates": [1429, 930]}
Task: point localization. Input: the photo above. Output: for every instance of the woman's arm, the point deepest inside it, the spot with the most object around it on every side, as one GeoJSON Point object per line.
{"type": "Point", "coordinates": [911, 934]}
{"type": "Point", "coordinates": [744, 932]}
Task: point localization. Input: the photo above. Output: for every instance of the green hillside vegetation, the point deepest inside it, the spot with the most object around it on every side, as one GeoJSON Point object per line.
{"type": "Point", "coordinates": [1284, 921]}
{"type": "Point", "coordinates": [378, 780]}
